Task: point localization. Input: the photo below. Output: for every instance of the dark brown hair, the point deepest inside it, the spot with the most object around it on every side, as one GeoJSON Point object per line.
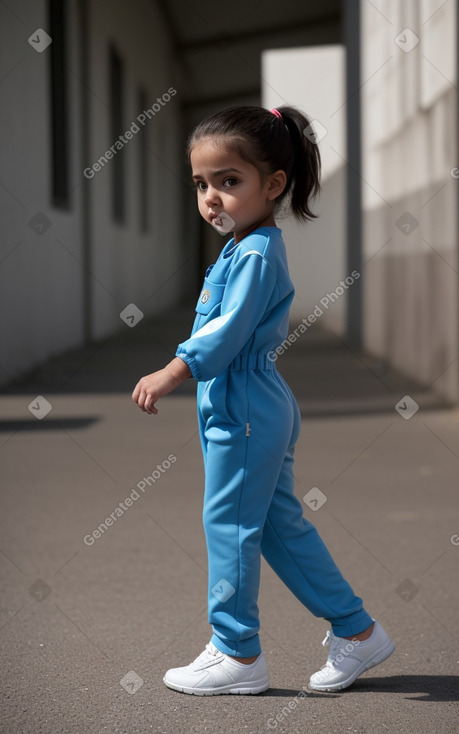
{"type": "Point", "coordinates": [270, 144]}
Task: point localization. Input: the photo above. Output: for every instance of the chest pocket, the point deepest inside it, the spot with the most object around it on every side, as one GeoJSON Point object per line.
{"type": "Point", "coordinates": [211, 296]}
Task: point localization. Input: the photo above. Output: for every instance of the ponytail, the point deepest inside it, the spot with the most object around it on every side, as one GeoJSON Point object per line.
{"type": "Point", "coordinates": [304, 182]}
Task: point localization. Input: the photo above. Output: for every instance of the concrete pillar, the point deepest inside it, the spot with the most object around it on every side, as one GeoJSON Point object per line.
{"type": "Point", "coordinates": [351, 39]}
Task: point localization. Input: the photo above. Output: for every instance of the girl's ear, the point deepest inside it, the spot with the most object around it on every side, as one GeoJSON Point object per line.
{"type": "Point", "coordinates": [276, 184]}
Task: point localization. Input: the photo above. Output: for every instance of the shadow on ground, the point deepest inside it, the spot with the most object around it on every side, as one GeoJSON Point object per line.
{"type": "Point", "coordinates": [327, 377]}
{"type": "Point", "coordinates": [423, 688]}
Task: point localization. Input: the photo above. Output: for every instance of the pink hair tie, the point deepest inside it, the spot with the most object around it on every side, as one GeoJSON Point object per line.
{"type": "Point", "coordinates": [278, 114]}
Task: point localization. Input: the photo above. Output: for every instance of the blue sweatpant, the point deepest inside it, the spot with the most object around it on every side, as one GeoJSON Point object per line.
{"type": "Point", "coordinates": [249, 423]}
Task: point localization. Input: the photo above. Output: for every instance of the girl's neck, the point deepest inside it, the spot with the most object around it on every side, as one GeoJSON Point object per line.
{"type": "Point", "coordinates": [268, 221]}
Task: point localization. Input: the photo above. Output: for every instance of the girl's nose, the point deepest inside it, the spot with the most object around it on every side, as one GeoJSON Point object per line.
{"type": "Point", "coordinates": [211, 196]}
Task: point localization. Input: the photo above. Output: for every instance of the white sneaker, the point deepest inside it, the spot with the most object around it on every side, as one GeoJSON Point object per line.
{"type": "Point", "coordinates": [348, 659]}
{"type": "Point", "coordinates": [214, 673]}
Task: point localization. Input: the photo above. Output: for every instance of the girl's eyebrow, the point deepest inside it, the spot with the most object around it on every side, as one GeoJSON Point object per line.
{"type": "Point", "coordinates": [219, 172]}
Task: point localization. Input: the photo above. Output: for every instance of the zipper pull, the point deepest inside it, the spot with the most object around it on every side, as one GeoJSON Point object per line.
{"type": "Point", "coordinates": [247, 429]}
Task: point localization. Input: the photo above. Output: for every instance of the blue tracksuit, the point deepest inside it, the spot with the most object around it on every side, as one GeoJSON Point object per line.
{"type": "Point", "coordinates": [249, 423]}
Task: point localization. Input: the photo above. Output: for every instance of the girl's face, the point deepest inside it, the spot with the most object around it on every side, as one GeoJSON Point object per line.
{"type": "Point", "coordinates": [231, 193]}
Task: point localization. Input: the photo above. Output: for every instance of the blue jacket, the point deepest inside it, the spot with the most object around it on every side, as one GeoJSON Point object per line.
{"type": "Point", "coordinates": [243, 307]}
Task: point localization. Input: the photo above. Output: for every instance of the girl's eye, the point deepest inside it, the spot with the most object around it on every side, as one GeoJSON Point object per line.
{"type": "Point", "coordinates": [228, 183]}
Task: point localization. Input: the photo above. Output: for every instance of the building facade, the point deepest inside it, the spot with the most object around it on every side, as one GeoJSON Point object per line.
{"type": "Point", "coordinates": [96, 211]}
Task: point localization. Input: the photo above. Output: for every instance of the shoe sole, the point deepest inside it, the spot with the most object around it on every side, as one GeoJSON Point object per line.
{"type": "Point", "coordinates": [223, 690]}
{"type": "Point", "coordinates": [378, 657]}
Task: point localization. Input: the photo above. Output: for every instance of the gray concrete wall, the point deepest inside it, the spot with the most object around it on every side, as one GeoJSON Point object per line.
{"type": "Point", "coordinates": [312, 79]}
{"type": "Point", "coordinates": [41, 279]}
{"type": "Point", "coordinates": [410, 197]}
{"type": "Point", "coordinates": [44, 271]}
{"type": "Point", "coordinates": [132, 265]}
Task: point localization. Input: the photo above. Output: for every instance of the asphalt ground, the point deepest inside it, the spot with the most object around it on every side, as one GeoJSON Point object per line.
{"type": "Point", "coordinates": [90, 622]}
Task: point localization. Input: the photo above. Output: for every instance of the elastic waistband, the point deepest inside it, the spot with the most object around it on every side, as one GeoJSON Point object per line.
{"type": "Point", "coordinates": [253, 362]}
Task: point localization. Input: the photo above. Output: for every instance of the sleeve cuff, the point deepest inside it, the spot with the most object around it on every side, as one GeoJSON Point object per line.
{"type": "Point", "coordinates": [192, 364]}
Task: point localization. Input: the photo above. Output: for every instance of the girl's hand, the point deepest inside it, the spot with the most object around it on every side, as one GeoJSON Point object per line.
{"type": "Point", "coordinates": [152, 387]}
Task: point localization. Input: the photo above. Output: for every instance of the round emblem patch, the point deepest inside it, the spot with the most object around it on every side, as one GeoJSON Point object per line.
{"type": "Point", "coordinates": [205, 295]}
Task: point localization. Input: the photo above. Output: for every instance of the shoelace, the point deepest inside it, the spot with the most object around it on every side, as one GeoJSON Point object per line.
{"type": "Point", "coordinates": [326, 641]}
{"type": "Point", "coordinates": [334, 643]}
{"type": "Point", "coordinates": [210, 651]}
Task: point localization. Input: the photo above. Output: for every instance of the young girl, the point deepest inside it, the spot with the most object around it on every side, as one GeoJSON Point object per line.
{"type": "Point", "coordinates": [245, 162]}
